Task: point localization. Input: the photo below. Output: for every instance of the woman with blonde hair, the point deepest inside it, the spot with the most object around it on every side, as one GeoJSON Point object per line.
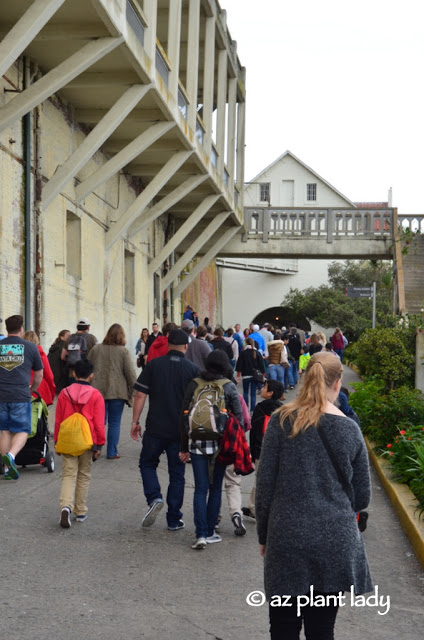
{"type": "Point", "coordinates": [313, 478]}
{"type": "Point", "coordinates": [321, 338]}
{"type": "Point", "coordinates": [114, 377]}
{"type": "Point", "coordinates": [47, 388]}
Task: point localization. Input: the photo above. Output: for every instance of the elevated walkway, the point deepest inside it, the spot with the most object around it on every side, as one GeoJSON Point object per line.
{"type": "Point", "coordinates": [413, 265]}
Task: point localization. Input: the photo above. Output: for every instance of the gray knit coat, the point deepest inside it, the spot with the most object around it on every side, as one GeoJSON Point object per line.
{"type": "Point", "coordinates": [303, 514]}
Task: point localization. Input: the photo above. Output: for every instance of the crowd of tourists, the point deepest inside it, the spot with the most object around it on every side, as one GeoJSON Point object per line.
{"type": "Point", "coordinates": [311, 470]}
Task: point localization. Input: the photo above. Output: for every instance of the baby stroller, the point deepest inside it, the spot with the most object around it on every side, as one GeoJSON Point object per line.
{"type": "Point", "coordinates": [36, 449]}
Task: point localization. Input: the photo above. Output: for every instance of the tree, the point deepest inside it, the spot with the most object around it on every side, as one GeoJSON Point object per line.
{"type": "Point", "coordinates": [328, 305]}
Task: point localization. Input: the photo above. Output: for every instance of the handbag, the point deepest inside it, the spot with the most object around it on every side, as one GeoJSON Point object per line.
{"type": "Point", "coordinates": [362, 516]}
{"type": "Point", "coordinates": [257, 376]}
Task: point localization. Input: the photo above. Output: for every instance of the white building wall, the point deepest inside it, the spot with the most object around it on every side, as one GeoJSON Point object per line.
{"type": "Point", "coordinates": [245, 294]}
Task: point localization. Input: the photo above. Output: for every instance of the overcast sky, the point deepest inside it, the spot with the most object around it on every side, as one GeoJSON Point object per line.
{"type": "Point", "coordinates": [339, 84]}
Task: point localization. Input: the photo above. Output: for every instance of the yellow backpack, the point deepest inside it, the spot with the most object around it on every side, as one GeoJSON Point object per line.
{"type": "Point", "coordinates": [74, 437]}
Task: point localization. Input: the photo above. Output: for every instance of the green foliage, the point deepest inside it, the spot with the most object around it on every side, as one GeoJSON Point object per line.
{"type": "Point", "coordinates": [382, 413]}
{"type": "Point", "coordinates": [406, 456]}
{"type": "Point", "coordinates": [385, 352]}
{"type": "Point", "coordinates": [328, 305]}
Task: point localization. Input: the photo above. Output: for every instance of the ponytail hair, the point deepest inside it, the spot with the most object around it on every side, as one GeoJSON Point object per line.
{"type": "Point", "coordinates": [323, 370]}
{"type": "Point", "coordinates": [251, 343]}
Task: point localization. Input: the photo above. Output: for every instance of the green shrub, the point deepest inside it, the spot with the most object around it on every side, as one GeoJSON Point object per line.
{"type": "Point", "coordinates": [385, 352]}
{"type": "Point", "coordinates": [384, 414]}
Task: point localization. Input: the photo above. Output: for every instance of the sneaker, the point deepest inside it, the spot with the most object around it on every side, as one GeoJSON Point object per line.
{"type": "Point", "coordinates": [291, 387]}
{"type": "Point", "coordinates": [213, 538]}
{"type": "Point", "coordinates": [176, 527]}
{"type": "Point", "coordinates": [248, 513]}
{"type": "Point", "coordinates": [239, 528]}
{"type": "Point", "coordinates": [81, 518]}
{"type": "Point", "coordinates": [65, 518]}
{"type": "Point", "coordinates": [218, 522]}
{"type": "Point", "coordinates": [152, 513]}
{"type": "Point", "coordinates": [9, 462]}
{"type": "Point", "coordinates": [200, 543]}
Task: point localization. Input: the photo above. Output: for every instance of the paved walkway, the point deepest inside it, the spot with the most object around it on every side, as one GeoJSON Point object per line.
{"type": "Point", "coordinates": [108, 578]}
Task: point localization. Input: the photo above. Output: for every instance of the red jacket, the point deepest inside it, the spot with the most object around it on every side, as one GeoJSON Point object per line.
{"type": "Point", "coordinates": [87, 401]}
{"type": "Point", "coordinates": [158, 348]}
{"type": "Point", "coordinates": [47, 388]}
{"type": "Point", "coordinates": [234, 448]}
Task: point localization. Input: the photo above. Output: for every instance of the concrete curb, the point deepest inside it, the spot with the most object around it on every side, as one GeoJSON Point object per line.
{"type": "Point", "coordinates": [403, 501]}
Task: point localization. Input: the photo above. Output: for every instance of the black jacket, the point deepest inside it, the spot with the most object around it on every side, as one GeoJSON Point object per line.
{"type": "Point", "coordinates": [262, 409]}
{"type": "Point", "coordinates": [220, 343]}
{"type": "Point", "coordinates": [247, 362]}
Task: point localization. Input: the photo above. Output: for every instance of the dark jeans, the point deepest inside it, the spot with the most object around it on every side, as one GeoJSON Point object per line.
{"type": "Point", "coordinates": [318, 621]}
{"type": "Point", "coordinates": [206, 507]}
{"type": "Point", "coordinates": [151, 450]}
{"type": "Point", "coordinates": [249, 383]}
{"type": "Point", "coordinates": [294, 366]}
{"type": "Point", "coordinates": [340, 353]}
{"type": "Point", "coordinates": [288, 377]}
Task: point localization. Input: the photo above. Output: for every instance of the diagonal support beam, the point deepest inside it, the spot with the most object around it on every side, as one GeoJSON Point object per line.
{"type": "Point", "coordinates": [94, 141]}
{"type": "Point", "coordinates": [182, 232]}
{"type": "Point", "coordinates": [167, 202]}
{"type": "Point", "coordinates": [150, 192]}
{"type": "Point", "coordinates": [25, 30]}
{"type": "Point", "coordinates": [121, 159]}
{"type": "Point", "coordinates": [203, 263]}
{"type": "Point", "coordinates": [191, 253]}
{"type": "Point", "coordinates": [56, 79]}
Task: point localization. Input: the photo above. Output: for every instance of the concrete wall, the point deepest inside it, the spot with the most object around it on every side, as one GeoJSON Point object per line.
{"type": "Point", "coordinates": [63, 297]}
{"type": "Point", "coordinates": [246, 293]}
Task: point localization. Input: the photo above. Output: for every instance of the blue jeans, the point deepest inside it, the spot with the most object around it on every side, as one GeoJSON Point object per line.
{"type": "Point", "coordinates": [113, 414]}
{"type": "Point", "coordinates": [288, 377]}
{"type": "Point", "coordinates": [294, 366]}
{"type": "Point", "coordinates": [15, 417]}
{"type": "Point", "coordinates": [206, 507]}
{"type": "Point", "coordinates": [276, 372]}
{"type": "Point", "coordinates": [249, 383]}
{"type": "Point", "coordinates": [153, 447]}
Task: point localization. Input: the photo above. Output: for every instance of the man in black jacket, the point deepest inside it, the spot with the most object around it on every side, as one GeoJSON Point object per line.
{"type": "Point", "coordinates": [295, 348]}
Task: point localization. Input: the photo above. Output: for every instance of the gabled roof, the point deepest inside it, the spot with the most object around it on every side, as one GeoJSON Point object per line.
{"type": "Point", "coordinates": [289, 153]}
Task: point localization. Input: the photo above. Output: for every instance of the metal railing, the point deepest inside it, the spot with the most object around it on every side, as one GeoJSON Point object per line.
{"type": "Point", "coordinates": [257, 264]}
{"type": "Point", "coordinates": [327, 223]}
{"type": "Point", "coordinates": [135, 22]}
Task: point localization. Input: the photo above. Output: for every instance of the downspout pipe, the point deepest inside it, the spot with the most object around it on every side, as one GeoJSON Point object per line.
{"type": "Point", "coordinates": [27, 204]}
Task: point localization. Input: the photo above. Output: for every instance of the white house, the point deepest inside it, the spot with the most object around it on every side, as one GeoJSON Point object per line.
{"type": "Point", "coordinates": [251, 286]}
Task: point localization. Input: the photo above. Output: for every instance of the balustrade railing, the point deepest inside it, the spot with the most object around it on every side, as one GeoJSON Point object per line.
{"type": "Point", "coordinates": [329, 223]}
{"type": "Point", "coordinates": [413, 221]}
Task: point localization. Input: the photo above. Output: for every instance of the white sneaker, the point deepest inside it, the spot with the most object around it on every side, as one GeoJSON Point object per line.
{"type": "Point", "coordinates": [65, 518]}
{"type": "Point", "coordinates": [214, 538]}
{"type": "Point", "coordinates": [200, 543]}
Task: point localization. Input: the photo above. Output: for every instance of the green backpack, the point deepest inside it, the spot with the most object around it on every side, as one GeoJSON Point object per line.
{"type": "Point", "coordinates": [207, 415]}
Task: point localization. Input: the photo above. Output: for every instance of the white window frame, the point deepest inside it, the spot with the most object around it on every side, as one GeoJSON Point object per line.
{"type": "Point", "coordinates": [311, 192]}
{"type": "Point", "coordinates": [266, 186]}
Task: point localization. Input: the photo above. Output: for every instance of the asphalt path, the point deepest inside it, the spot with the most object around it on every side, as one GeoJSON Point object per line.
{"type": "Point", "coordinates": [108, 578]}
